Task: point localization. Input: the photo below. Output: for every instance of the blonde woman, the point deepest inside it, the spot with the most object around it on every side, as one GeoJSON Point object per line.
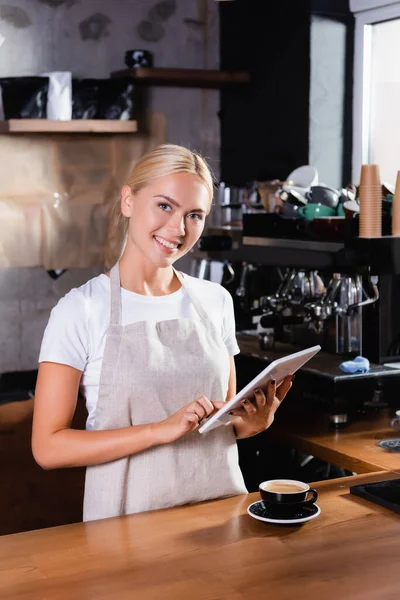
{"type": "Point", "coordinates": [152, 350]}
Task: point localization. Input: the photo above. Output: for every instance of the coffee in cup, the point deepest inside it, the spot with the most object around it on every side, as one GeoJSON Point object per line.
{"type": "Point", "coordinates": [285, 493]}
{"type": "Point", "coordinates": [284, 487]}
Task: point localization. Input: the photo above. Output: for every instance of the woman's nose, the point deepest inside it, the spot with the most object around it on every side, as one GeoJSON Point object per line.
{"type": "Point", "coordinates": [177, 225]}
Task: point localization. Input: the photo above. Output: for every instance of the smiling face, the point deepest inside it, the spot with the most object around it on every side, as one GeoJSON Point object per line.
{"type": "Point", "coordinates": [166, 217]}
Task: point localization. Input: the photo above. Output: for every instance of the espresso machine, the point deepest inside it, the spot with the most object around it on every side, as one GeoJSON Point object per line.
{"type": "Point", "coordinates": [293, 290]}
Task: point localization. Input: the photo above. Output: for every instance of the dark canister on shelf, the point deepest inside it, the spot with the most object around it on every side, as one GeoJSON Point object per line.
{"type": "Point", "coordinates": [138, 58]}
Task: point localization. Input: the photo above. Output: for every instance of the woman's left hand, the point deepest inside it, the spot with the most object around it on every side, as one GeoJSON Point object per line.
{"type": "Point", "coordinates": [258, 413]}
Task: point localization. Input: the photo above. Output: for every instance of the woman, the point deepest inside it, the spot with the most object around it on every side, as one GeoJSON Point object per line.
{"type": "Point", "coordinates": [152, 350]}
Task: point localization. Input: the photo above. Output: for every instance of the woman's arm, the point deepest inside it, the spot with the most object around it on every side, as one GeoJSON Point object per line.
{"type": "Point", "coordinates": [55, 444]}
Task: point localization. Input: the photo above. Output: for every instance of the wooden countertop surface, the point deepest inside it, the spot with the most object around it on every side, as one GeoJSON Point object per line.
{"type": "Point", "coordinates": [353, 447]}
{"type": "Point", "coordinates": [213, 551]}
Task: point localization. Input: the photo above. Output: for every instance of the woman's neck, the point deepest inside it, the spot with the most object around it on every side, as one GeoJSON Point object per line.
{"type": "Point", "coordinates": [147, 279]}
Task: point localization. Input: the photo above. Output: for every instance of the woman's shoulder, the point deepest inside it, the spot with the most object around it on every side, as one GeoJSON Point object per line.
{"type": "Point", "coordinates": [204, 284]}
{"type": "Point", "coordinates": [206, 288]}
{"type": "Point", "coordinates": [93, 291]}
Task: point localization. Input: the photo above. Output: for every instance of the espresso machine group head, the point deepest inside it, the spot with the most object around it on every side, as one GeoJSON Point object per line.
{"type": "Point", "coordinates": [305, 309]}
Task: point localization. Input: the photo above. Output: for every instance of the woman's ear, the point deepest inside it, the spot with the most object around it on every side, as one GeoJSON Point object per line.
{"type": "Point", "coordinates": [126, 201]}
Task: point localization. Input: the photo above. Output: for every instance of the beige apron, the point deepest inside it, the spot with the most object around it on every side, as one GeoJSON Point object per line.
{"type": "Point", "coordinates": [150, 370]}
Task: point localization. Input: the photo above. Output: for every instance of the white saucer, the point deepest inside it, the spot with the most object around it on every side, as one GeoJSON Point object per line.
{"type": "Point", "coordinates": [257, 510]}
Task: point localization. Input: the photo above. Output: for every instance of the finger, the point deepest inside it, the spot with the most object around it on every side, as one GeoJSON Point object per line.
{"type": "Point", "coordinates": [206, 404]}
{"type": "Point", "coordinates": [198, 409]}
{"type": "Point", "coordinates": [248, 406]}
{"type": "Point", "coordinates": [271, 392]}
{"type": "Point", "coordinates": [280, 383]}
{"type": "Point", "coordinates": [260, 398]}
{"type": "Point", "coordinates": [237, 412]}
{"type": "Point", "coordinates": [218, 404]}
{"type": "Point", "coordinates": [284, 387]}
{"type": "Point", "coordinates": [192, 421]}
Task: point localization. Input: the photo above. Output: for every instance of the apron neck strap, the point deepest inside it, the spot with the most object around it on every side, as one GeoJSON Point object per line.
{"type": "Point", "coordinates": [115, 281]}
{"type": "Point", "coordinates": [192, 296]}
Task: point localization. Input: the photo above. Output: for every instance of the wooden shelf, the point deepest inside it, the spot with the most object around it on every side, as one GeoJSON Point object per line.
{"type": "Point", "coordinates": [184, 77]}
{"type": "Point", "coordinates": [73, 126]}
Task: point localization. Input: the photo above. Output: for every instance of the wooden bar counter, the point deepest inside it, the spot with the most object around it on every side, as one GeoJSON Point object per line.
{"type": "Point", "coordinates": [212, 551]}
{"type": "Point", "coordinates": [353, 447]}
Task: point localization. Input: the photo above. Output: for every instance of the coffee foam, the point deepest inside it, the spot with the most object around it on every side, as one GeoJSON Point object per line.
{"type": "Point", "coordinates": [284, 486]}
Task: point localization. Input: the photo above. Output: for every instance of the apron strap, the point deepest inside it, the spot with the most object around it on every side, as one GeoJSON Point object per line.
{"type": "Point", "coordinates": [115, 296]}
{"type": "Point", "coordinates": [192, 296]}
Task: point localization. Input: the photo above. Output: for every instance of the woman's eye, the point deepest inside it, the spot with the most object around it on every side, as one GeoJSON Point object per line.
{"type": "Point", "coordinates": [195, 217]}
{"type": "Point", "coordinates": [164, 206]}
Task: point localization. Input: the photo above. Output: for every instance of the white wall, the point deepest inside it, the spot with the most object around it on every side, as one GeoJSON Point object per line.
{"type": "Point", "coordinates": [360, 5]}
{"type": "Point", "coordinates": [328, 44]}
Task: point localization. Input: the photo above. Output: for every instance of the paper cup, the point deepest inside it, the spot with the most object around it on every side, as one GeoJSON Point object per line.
{"type": "Point", "coordinates": [370, 175]}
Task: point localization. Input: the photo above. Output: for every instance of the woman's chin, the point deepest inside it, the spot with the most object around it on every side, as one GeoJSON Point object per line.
{"type": "Point", "coordinates": [165, 261]}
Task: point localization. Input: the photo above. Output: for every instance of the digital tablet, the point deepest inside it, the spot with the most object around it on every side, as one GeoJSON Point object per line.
{"type": "Point", "coordinates": [278, 370]}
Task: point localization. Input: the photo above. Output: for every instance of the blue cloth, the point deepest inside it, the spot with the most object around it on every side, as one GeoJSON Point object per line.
{"type": "Point", "coordinates": [359, 364]}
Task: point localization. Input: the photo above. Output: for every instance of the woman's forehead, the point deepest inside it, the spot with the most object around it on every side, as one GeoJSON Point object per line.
{"type": "Point", "coordinates": [181, 187]}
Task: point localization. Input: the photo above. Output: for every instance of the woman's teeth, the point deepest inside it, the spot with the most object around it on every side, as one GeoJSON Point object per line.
{"type": "Point", "coordinates": [165, 243]}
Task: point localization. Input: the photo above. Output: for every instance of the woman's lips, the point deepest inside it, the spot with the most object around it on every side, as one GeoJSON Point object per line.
{"type": "Point", "coordinates": [164, 248]}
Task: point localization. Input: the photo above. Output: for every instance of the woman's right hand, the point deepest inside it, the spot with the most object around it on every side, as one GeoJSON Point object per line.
{"type": "Point", "coordinates": [186, 419]}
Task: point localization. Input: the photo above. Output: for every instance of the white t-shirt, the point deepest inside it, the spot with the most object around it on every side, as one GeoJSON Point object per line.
{"type": "Point", "coordinates": [76, 332]}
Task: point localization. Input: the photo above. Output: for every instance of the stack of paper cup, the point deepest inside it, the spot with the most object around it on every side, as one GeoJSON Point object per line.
{"type": "Point", "coordinates": [396, 208]}
{"type": "Point", "coordinates": [370, 195]}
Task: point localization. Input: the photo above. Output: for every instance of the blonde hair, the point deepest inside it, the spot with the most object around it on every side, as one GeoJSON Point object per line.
{"type": "Point", "coordinates": [165, 159]}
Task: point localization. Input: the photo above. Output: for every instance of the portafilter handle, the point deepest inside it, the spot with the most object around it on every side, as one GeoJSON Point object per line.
{"type": "Point", "coordinates": [241, 290]}
{"type": "Point", "coordinates": [373, 279]}
{"type": "Point", "coordinates": [228, 267]}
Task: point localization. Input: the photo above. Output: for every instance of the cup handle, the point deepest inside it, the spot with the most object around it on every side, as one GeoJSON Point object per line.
{"type": "Point", "coordinates": [314, 496]}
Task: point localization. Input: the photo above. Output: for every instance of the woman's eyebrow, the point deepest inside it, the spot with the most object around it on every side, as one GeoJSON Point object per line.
{"type": "Point", "coordinates": [175, 203]}
{"type": "Point", "coordinates": [167, 198]}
